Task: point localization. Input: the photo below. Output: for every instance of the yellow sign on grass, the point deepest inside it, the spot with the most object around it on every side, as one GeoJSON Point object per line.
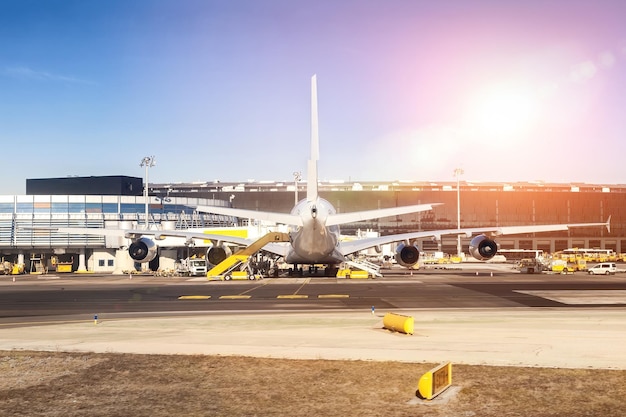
{"type": "Point", "coordinates": [434, 382]}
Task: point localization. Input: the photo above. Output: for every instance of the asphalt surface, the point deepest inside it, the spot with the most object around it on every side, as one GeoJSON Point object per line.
{"type": "Point", "coordinates": [475, 316]}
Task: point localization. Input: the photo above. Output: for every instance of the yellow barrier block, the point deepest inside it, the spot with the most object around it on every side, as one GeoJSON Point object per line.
{"type": "Point", "coordinates": [293, 296]}
{"type": "Point", "coordinates": [235, 297]}
{"type": "Point", "coordinates": [398, 323]}
{"type": "Point", "coordinates": [434, 382]}
{"type": "Point", "coordinates": [333, 296]}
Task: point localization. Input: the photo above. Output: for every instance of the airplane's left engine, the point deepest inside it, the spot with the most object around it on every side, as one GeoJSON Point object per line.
{"type": "Point", "coordinates": [217, 254]}
{"type": "Point", "coordinates": [483, 248]}
{"type": "Point", "coordinates": [143, 250]}
{"type": "Point", "coordinates": [407, 255]}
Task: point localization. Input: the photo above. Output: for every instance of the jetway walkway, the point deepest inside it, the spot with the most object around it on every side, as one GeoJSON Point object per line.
{"type": "Point", "coordinates": [237, 266]}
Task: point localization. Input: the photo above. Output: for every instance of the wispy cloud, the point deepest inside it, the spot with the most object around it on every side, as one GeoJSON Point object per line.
{"type": "Point", "coordinates": [31, 74]}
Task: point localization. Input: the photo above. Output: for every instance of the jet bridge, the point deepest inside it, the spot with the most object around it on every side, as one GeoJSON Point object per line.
{"type": "Point", "coordinates": [237, 266]}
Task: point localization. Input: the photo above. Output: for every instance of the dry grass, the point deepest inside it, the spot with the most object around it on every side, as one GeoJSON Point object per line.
{"type": "Point", "coordinates": [84, 384]}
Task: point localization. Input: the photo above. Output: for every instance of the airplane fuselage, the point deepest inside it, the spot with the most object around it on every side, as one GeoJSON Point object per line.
{"type": "Point", "coordinates": [313, 242]}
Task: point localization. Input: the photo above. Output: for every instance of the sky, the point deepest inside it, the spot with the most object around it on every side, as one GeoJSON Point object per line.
{"type": "Point", "coordinates": [220, 89]}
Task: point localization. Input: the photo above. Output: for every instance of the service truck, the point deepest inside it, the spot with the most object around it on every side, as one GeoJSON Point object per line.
{"type": "Point", "coordinates": [530, 266]}
{"type": "Point", "coordinates": [197, 267]}
{"type": "Point", "coordinates": [194, 267]}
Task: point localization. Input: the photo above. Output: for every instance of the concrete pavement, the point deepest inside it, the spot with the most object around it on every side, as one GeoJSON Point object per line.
{"type": "Point", "coordinates": [564, 338]}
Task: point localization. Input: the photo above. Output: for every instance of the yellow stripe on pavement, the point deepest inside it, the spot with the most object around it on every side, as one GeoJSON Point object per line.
{"type": "Point", "coordinates": [333, 296]}
{"type": "Point", "coordinates": [293, 296]}
{"type": "Point", "coordinates": [194, 297]}
{"type": "Point", "coordinates": [235, 297]}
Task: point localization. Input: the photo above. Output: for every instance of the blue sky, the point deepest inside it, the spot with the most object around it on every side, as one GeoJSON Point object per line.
{"type": "Point", "coordinates": [408, 90]}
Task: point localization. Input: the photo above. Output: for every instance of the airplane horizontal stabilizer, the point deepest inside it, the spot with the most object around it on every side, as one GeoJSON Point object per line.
{"type": "Point", "coordinates": [283, 218]}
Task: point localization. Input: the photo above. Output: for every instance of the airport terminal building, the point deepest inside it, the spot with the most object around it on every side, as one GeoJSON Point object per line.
{"type": "Point", "coordinates": [117, 202]}
{"type": "Point", "coordinates": [100, 202]}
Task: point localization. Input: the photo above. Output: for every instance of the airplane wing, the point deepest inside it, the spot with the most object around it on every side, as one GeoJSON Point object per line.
{"type": "Point", "coordinates": [343, 218]}
{"type": "Point", "coordinates": [279, 249]}
{"type": "Point", "coordinates": [350, 247]}
{"type": "Point", "coordinates": [283, 218]}
{"type": "Point", "coordinates": [158, 234]}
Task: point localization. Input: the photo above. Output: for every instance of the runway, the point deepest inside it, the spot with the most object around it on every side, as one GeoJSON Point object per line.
{"type": "Point", "coordinates": [46, 296]}
{"type": "Point", "coordinates": [500, 318]}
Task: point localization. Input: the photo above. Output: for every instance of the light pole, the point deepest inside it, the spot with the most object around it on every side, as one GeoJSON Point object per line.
{"type": "Point", "coordinates": [147, 162]}
{"type": "Point", "coordinates": [297, 176]}
{"type": "Point", "coordinates": [458, 172]}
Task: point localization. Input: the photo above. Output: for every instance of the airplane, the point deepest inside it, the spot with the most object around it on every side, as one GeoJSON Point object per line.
{"type": "Point", "coordinates": [314, 227]}
{"type": "Point", "coordinates": [314, 238]}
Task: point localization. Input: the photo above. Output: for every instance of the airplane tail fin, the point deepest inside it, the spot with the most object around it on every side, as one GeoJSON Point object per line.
{"type": "Point", "coordinates": [311, 190]}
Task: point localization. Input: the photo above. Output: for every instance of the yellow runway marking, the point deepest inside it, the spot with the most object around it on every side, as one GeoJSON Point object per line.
{"type": "Point", "coordinates": [235, 297]}
{"type": "Point", "coordinates": [194, 297]}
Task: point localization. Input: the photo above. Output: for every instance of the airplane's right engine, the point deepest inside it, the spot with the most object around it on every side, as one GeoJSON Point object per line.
{"type": "Point", "coordinates": [483, 248]}
{"type": "Point", "coordinates": [143, 250]}
{"type": "Point", "coordinates": [217, 253]}
{"type": "Point", "coordinates": [407, 255]}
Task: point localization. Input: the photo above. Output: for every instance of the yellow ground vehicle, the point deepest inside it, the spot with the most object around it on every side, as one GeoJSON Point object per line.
{"type": "Point", "coordinates": [245, 274]}
{"type": "Point", "coordinates": [9, 268]}
{"type": "Point", "coordinates": [352, 273]}
{"type": "Point", "coordinates": [561, 266]}
{"type": "Point", "coordinates": [578, 265]}
{"type": "Point", "coordinates": [587, 254]}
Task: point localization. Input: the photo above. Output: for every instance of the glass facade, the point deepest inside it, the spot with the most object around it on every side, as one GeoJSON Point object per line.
{"type": "Point", "coordinates": [25, 220]}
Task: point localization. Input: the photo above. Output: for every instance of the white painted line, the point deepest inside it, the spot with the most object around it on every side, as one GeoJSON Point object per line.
{"type": "Point", "coordinates": [579, 297]}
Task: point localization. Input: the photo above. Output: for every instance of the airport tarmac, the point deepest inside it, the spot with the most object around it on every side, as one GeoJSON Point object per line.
{"type": "Point", "coordinates": [573, 321]}
{"type": "Point", "coordinates": [563, 338]}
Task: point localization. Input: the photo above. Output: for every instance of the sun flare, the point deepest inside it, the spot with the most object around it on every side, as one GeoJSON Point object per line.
{"type": "Point", "coordinates": [504, 110]}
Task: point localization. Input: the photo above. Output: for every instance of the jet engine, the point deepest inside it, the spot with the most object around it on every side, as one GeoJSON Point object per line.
{"type": "Point", "coordinates": [143, 250]}
{"type": "Point", "coordinates": [217, 253]}
{"type": "Point", "coordinates": [483, 248]}
{"type": "Point", "coordinates": [407, 255]}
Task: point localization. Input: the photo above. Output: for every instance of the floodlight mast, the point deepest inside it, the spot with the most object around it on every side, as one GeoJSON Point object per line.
{"type": "Point", "coordinates": [147, 162]}
{"type": "Point", "coordinates": [458, 172]}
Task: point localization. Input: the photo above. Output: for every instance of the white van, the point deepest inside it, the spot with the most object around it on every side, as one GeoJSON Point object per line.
{"type": "Point", "coordinates": [605, 268]}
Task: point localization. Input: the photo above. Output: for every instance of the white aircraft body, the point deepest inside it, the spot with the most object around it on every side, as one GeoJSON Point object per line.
{"type": "Point", "coordinates": [314, 227]}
